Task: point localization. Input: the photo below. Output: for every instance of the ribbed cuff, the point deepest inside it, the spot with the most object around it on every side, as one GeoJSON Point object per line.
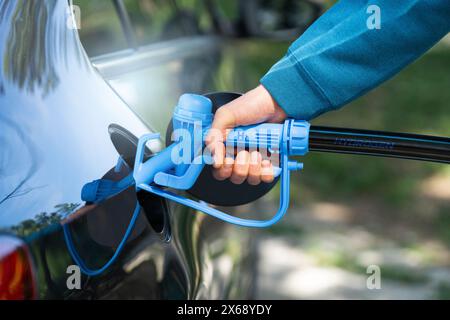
{"type": "Point", "coordinates": [294, 90]}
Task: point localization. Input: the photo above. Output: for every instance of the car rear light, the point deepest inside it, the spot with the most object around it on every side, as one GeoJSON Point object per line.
{"type": "Point", "coordinates": [17, 281]}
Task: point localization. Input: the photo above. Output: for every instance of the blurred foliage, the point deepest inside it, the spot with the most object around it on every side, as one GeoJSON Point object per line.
{"type": "Point", "coordinates": [155, 20]}
{"type": "Point", "coordinates": [442, 224]}
{"type": "Point", "coordinates": [345, 261]}
{"type": "Point", "coordinates": [415, 101]}
{"type": "Point", "coordinates": [152, 20]}
{"type": "Point", "coordinates": [286, 229]}
{"type": "Point", "coordinates": [443, 292]}
{"type": "Point", "coordinates": [42, 220]}
{"type": "Point", "coordinates": [100, 29]}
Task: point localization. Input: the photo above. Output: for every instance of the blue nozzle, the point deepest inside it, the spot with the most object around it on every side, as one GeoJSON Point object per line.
{"type": "Point", "coordinates": [89, 191]}
{"type": "Point", "coordinates": [192, 108]}
{"type": "Point", "coordinates": [195, 103]}
{"type": "Point", "coordinates": [194, 114]}
{"type": "Point", "coordinates": [298, 138]}
{"type": "Point", "coordinates": [102, 189]}
{"type": "Point", "coordinates": [290, 138]}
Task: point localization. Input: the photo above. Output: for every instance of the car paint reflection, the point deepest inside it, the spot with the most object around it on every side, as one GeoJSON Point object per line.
{"type": "Point", "coordinates": [55, 111]}
{"type": "Point", "coordinates": [51, 118]}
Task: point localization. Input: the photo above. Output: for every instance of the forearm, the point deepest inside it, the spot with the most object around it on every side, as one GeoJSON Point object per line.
{"type": "Point", "coordinates": [339, 58]}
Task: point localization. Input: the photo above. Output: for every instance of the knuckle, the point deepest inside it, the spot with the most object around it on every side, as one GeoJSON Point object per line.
{"type": "Point", "coordinates": [225, 172]}
{"type": "Point", "coordinates": [267, 178]}
{"type": "Point", "coordinates": [216, 174]}
{"type": "Point", "coordinates": [228, 162]}
{"type": "Point", "coordinates": [254, 180]}
{"type": "Point", "coordinates": [219, 112]}
{"type": "Point", "coordinates": [240, 173]}
{"type": "Point", "coordinates": [222, 112]}
{"type": "Point", "coordinates": [236, 180]}
{"type": "Point", "coordinates": [242, 158]}
{"type": "Point", "coordinates": [255, 159]}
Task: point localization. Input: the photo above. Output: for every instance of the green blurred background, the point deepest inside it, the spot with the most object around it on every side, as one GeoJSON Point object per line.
{"type": "Point", "coordinates": [347, 212]}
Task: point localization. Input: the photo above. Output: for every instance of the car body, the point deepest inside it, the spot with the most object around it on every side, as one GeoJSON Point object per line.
{"type": "Point", "coordinates": [65, 120]}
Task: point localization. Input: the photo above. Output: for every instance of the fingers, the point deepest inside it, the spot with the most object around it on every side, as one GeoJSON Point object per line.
{"type": "Point", "coordinates": [266, 171]}
{"type": "Point", "coordinates": [254, 171]}
{"type": "Point", "coordinates": [256, 106]}
{"type": "Point", "coordinates": [246, 166]}
{"type": "Point", "coordinates": [218, 152]}
{"type": "Point", "coordinates": [223, 120]}
{"type": "Point", "coordinates": [214, 143]}
{"type": "Point", "coordinates": [241, 167]}
{"type": "Point", "coordinates": [224, 172]}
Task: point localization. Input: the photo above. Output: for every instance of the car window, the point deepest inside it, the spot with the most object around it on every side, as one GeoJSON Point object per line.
{"type": "Point", "coordinates": [156, 20]}
{"type": "Point", "coordinates": [100, 28]}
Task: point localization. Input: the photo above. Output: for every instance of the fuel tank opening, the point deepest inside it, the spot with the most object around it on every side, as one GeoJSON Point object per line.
{"type": "Point", "coordinates": [125, 143]}
{"type": "Point", "coordinates": [156, 210]}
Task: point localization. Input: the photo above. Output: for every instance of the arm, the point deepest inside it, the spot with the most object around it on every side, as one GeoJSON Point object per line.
{"type": "Point", "coordinates": [335, 61]}
{"type": "Point", "coordinates": [339, 58]}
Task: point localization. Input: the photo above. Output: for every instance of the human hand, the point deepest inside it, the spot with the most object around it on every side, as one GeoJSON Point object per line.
{"type": "Point", "coordinates": [256, 106]}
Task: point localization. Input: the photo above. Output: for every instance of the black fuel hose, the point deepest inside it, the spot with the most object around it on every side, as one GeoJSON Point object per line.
{"type": "Point", "coordinates": [380, 143]}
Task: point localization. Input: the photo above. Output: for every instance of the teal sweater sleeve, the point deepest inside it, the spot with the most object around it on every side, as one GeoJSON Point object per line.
{"type": "Point", "coordinates": [339, 58]}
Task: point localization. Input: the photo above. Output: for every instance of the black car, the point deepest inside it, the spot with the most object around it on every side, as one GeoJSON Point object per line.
{"type": "Point", "coordinates": [68, 118]}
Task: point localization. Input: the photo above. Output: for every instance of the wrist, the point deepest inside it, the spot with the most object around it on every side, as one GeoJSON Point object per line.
{"type": "Point", "coordinates": [255, 106]}
{"type": "Point", "coordinates": [270, 107]}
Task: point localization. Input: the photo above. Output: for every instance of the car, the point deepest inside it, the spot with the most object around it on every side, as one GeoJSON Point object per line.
{"type": "Point", "coordinates": [71, 114]}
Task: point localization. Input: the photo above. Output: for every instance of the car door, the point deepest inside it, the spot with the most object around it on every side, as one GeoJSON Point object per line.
{"type": "Point", "coordinates": [149, 72]}
{"type": "Point", "coordinates": [62, 127]}
{"type": "Point", "coordinates": [57, 117]}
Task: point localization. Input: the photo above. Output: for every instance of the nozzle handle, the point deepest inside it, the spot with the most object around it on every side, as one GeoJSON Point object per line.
{"type": "Point", "coordinates": [141, 183]}
{"type": "Point", "coordinates": [203, 207]}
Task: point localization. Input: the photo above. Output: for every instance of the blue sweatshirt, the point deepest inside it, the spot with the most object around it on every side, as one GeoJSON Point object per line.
{"type": "Point", "coordinates": [344, 54]}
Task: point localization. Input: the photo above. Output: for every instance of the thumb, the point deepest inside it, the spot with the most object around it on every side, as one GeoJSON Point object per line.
{"type": "Point", "coordinates": [224, 119]}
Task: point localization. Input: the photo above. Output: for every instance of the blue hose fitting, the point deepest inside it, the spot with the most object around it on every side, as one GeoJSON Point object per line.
{"type": "Point", "coordinates": [193, 116]}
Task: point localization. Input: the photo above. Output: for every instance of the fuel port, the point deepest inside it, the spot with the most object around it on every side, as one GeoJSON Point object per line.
{"type": "Point", "coordinates": [156, 210]}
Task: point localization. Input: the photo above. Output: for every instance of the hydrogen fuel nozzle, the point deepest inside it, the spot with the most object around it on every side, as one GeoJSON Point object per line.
{"type": "Point", "coordinates": [179, 165]}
